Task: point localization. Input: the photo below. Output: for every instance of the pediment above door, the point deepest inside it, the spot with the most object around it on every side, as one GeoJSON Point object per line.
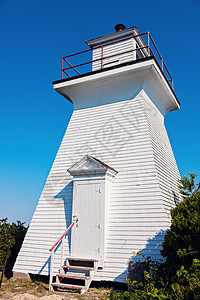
{"type": "Point", "coordinates": [89, 165]}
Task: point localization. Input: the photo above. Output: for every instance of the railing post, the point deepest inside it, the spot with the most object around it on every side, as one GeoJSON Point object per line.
{"type": "Point", "coordinates": [101, 57]}
{"type": "Point", "coordinates": [51, 270]}
{"type": "Point", "coordinates": [62, 256]}
{"type": "Point", "coordinates": [52, 250]}
{"type": "Point", "coordinates": [162, 63]}
{"type": "Point", "coordinates": [62, 69]}
{"type": "Point", "coordinates": [148, 44]}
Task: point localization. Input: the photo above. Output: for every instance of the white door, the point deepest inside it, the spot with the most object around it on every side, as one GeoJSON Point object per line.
{"type": "Point", "coordinates": [87, 240]}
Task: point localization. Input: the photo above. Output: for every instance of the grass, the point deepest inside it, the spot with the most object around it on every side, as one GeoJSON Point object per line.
{"type": "Point", "coordinates": [39, 288]}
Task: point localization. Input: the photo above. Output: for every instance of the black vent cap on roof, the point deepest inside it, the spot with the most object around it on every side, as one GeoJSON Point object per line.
{"type": "Point", "coordinates": [120, 27]}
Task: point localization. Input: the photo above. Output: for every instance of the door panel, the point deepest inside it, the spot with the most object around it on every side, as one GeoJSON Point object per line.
{"type": "Point", "coordinates": [87, 235]}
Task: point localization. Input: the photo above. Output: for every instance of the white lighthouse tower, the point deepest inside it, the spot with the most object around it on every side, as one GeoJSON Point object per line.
{"type": "Point", "coordinates": [114, 179]}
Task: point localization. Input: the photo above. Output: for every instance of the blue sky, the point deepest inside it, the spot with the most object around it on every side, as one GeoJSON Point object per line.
{"type": "Point", "coordinates": [34, 35]}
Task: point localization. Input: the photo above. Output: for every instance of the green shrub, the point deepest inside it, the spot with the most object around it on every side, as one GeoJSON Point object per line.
{"type": "Point", "coordinates": [178, 277]}
{"type": "Point", "coordinates": [182, 241]}
{"type": "Point", "coordinates": [15, 233]}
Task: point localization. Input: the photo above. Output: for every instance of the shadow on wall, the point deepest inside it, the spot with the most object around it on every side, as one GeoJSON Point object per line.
{"type": "Point", "coordinates": [66, 195]}
{"type": "Point", "coordinates": [153, 246]}
{"type": "Point", "coordinates": [152, 249]}
{"type": "Point", "coordinates": [47, 263]}
{"type": "Point", "coordinates": [176, 197]}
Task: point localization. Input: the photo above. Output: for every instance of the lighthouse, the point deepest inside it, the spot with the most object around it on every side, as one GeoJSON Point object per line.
{"type": "Point", "coordinates": [114, 179]}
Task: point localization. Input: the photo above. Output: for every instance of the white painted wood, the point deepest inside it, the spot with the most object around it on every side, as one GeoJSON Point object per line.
{"type": "Point", "coordinates": [118, 119]}
{"type": "Point", "coordinates": [62, 256]}
{"type": "Point", "coordinates": [90, 203]}
{"type": "Point", "coordinates": [51, 270]}
{"type": "Point", "coordinates": [122, 44]}
{"type": "Point", "coordinates": [124, 51]}
{"type": "Point", "coordinates": [88, 234]}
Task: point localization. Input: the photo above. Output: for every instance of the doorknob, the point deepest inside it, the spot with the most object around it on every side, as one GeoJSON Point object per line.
{"type": "Point", "coordinates": [75, 218]}
{"type": "Point", "coordinates": [98, 226]}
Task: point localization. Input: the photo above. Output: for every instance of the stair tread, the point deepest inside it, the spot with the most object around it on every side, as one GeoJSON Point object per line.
{"type": "Point", "coordinates": [82, 259]}
{"type": "Point", "coordinates": [72, 276]}
{"type": "Point", "coordinates": [66, 285]}
{"type": "Point", "coordinates": [79, 268]}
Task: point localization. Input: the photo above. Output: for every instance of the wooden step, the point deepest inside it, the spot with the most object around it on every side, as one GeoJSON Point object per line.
{"type": "Point", "coordinates": [67, 286]}
{"type": "Point", "coordinates": [73, 276]}
{"type": "Point", "coordinates": [78, 274]}
{"type": "Point", "coordinates": [81, 259]}
{"type": "Point", "coordinates": [78, 268]}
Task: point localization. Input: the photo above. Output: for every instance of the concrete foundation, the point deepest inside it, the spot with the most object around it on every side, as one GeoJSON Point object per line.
{"type": "Point", "coordinates": [20, 275]}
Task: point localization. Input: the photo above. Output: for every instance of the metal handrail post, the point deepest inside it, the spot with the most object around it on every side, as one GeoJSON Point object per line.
{"type": "Point", "coordinates": [51, 270]}
{"type": "Point", "coordinates": [162, 63]}
{"type": "Point", "coordinates": [62, 256]}
{"type": "Point", "coordinates": [62, 69]}
{"type": "Point", "coordinates": [52, 250]}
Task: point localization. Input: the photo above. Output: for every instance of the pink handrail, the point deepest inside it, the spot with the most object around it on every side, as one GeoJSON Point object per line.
{"type": "Point", "coordinates": [62, 236]}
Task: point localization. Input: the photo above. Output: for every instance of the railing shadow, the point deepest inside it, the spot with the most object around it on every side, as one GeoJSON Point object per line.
{"type": "Point", "coordinates": [66, 195]}
{"type": "Point", "coordinates": [47, 263]}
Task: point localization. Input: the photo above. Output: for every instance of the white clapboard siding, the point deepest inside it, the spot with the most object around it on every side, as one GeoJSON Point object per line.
{"type": "Point", "coordinates": [118, 50]}
{"type": "Point", "coordinates": [166, 166]}
{"type": "Point", "coordinates": [127, 136]}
